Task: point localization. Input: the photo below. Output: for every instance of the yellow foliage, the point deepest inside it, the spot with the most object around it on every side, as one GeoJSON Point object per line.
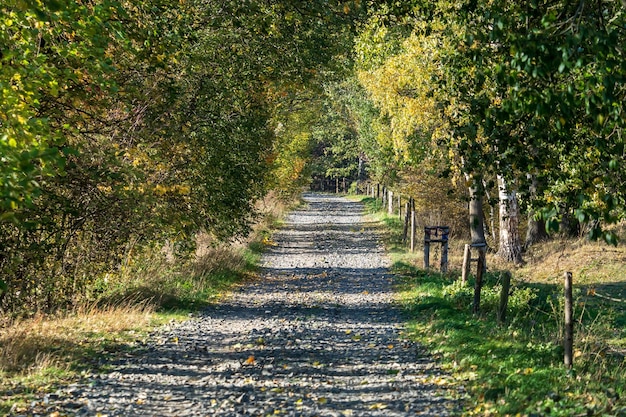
{"type": "Point", "coordinates": [402, 90]}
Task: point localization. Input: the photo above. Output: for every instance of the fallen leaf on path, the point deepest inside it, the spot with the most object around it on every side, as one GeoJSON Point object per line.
{"type": "Point", "coordinates": [250, 360]}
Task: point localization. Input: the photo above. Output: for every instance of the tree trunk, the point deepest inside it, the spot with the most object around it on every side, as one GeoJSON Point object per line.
{"type": "Point", "coordinates": [536, 228]}
{"type": "Point", "coordinates": [509, 246]}
{"type": "Point", "coordinates": [476, 215]}
{"type": "Point", "coordinates": [492, 215]}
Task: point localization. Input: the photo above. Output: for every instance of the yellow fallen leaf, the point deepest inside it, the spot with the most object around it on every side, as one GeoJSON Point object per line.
{"type": "Point", "coordinates": [390, 346]}
{"type": "Point", "coordinates": [378, 406]}
{"type": "Point", "coordinates": [140, 401]}
{"type": "Point", "coordinates": [322, 400]}
{"type": "Point", "coordinates": [250, 360]}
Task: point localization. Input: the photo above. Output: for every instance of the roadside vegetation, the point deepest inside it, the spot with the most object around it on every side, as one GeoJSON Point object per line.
{"type": "Point", "coordinates": [517, 368]}
{"type": "Point", "coordinates": [39, 353]}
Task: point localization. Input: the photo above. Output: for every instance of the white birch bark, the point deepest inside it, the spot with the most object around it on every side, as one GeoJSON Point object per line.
{"type": "Point", "coordinates": [509, 245]}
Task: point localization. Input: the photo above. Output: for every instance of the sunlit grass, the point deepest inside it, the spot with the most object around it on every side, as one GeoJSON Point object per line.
{"type": "Point", "coordinates": [516, 368]}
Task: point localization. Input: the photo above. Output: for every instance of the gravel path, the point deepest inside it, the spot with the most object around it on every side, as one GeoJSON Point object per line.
{"type": "Point", "coordinates": [319, 335]}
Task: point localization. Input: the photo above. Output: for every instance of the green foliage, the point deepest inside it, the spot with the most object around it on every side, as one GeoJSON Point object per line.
{"type": "Point", "coordinates": [133, 124]}
{"type": "Point", "coordinates": [506, 89]}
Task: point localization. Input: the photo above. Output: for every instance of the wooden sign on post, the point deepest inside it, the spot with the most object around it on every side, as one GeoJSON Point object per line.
{"type": "Point", "coordinates": [437, 234]}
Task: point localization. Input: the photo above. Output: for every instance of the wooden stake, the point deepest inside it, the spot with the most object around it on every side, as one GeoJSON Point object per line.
{"type": "Point", "coordinates": [568, 341]}
{"type": "Point", "coordinates": [504, 297]}
{"type": "Point", "coordinates": [467, 264]}
{"type": "Point", "coordinates": [405, 231]}
{"type": "Point", "coordinates": [444, 257]}
{"type": "Point", "coordinates": [399, 206]}
{"type": "Point", "coordinates": [426, 249]}
{"type": "Point", "coordinates": [479, 279]}
{"type": "Point", "coordinates": [412, 229]}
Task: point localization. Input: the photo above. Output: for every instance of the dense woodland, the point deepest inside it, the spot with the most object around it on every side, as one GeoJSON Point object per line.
{"type": "Point", "coordinates": [130, 126]}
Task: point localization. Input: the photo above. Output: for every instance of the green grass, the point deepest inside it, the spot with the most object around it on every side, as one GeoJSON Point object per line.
{"type": "Point", "coordinates": [515, 368]}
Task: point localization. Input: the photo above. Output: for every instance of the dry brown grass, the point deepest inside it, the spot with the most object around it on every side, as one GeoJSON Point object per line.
{"type": "Point", "coordinates": [590, 262]}
{"type": "Point", "coordinates": [593, 264]}
{"type": "Point", "coordinates": [30, 345]}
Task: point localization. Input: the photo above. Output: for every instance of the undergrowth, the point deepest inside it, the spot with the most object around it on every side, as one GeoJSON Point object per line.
{"type": "Point", "coordinates": [515, 368]}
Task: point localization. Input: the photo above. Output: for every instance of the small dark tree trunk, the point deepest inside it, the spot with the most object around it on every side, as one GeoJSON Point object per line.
{"type": "Point", "coordinates": [536, 231]}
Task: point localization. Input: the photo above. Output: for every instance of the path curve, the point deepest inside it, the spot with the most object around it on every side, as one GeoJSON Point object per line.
{"type": "Point", "coordinates": [319, 335]}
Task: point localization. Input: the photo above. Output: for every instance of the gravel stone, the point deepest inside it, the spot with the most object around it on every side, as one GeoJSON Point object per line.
{"type": "Point", "coordinates": [317, 335]}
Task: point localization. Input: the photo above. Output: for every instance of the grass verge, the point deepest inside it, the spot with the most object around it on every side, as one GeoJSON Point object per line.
{"type": "Point", "coordinates": [515, 369]}
{"type": "Point", "coordinates": [41, 353]}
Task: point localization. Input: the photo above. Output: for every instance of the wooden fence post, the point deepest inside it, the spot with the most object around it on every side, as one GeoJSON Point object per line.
{"type": "Point", "coordinates": [405, 231]}
{"type": "Point", "coordinates": [504, 297]}
{"type": "Point", "coordinates": [467, 264]}
{"type": "Point", "coordinates": [399, 206]}
{"type": "Point", "coordinates": [443, 265]}
{"type": "Point", "coordinates": [426, 248]}
{"type": "Point", "coordinates": [412, 226]}
{"type": "Point", "coordinates": [390, 201]}
{"type": "Point", "coordinates": [568, 341]}
{"type": "Point", "coordinates": [479, 279]}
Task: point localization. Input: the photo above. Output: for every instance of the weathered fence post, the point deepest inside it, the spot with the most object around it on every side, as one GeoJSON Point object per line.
{"type": "Point", "coordinates": [405, 231]}
{"type": "Point", "coordinates": [479, 279]}
{"type": "Point", "coordinates": [344, 185]}
{"type": "Point", "coordinates": [467, 264]}
{"type": "Point", "coordinates": [399, 206]}
{"type": "Point", "coordinates": [426, 248]}
{"type": "Point", "coordinates": [443, 264]}
{"type": "Point", "coordinates": [412, 225]}
{"type": "Point", "coordinates": [504, 297]}
{"type": "Point", "coordinates": [390, 200]}
{"type": "Point", "coordinates": [568, 341]}
{"type": "Point", "coordinates": [378, 191]}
